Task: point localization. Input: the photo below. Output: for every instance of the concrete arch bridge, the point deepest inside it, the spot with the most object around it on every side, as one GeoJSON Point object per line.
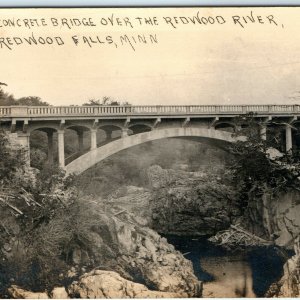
{"type": "Point", "coordinates": [128, 126]}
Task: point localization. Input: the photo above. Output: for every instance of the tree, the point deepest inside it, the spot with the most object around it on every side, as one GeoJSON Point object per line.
{"type": "Point", "coordinates": [32, 101]}
{"type": "Point", "coordinates": [11, 159]}
{"type": "Point", "coordinates": [260, 177]}
{"type": "Point", "coordinates": [9, 99]}
{"type": "Point", "coordinates": [253, 162]}
{"type": "Point", "coordinates": [31, 243]}
{"type": "Point", "coordinates": [104, 101]}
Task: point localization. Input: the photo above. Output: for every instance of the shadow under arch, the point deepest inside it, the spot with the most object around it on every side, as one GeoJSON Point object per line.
{"type": "Point", "coordinates": [226, 126]}
{"type": "Point", "coordinates": [43, 128]}
{"type": "Point", "coordinates": [42, 140]}
{"type": "Point", "coordinates": [92, 157]}
{"type": "Point", "coordinates": [112, 131]}
{"type": "Point", "coordinates": [139, 128]}
{"type": "Point", "coordinates": [76, 140]}
{"type": "Point", "coordinates": [78, 128]}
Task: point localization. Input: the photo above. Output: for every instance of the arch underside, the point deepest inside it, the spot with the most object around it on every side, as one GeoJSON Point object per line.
{"type": "Point", "coordinates": [215, 137]}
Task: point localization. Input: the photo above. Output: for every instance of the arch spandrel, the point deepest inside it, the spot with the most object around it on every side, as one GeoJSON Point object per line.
{"type": "Point", "coordinates": [93, 157]}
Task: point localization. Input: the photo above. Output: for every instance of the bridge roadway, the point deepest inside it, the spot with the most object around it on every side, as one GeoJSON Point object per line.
{"type": "Point", "coordinates": [136, 124]}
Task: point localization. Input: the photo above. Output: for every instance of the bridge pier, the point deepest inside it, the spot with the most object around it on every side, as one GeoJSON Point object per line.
{"type": "Point", "coordinates": [288, 138]}
{"type": "Point", "coordinates": [124, 132]}
{"type": "Point", "coordinates": [237, 128]}
{"type": "Point", "coordinates": [61, 148]}
{"type": "Point", "coordinates": [24, 141]}
{"type": "Point", "coordinates": [50, 147]}
{"type": "Point", "coordinates": [93, 139]}
{"type": "Point", "coordinates": [108, 134]}
{"type": "Point", "coordinates": [263, 133]}
{"type": "Point", "coordinates": [80, 141]}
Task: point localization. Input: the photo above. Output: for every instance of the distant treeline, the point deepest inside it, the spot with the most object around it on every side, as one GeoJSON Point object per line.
{"type": "Point", "coordinates": [7, 99]}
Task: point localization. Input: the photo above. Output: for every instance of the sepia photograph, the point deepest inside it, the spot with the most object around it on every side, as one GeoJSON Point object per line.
{"type": "Point", "coordinates": [150, 152]}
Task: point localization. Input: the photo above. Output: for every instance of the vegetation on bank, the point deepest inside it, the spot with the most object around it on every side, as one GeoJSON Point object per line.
{"type": "Point", "coordinates": [261, 173]}
{"type": "Point", "coordinates": [35, 228]}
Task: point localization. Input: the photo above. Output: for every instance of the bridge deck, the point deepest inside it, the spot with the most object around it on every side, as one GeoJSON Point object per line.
{"type": "Point", "coordinates": [92, 111]}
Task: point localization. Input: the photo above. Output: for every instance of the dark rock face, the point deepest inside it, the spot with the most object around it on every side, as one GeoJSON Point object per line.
{"type": "Point", "coordinates": [190, 203]}
{"type": "Point", "coordinates": [180, 202]}
{"type": "Point", "coordinates": [289, 284]}
{"type": "Point", "coordinates": [116, 242]}
{"type": "Point", "coordinates": [285, 212]}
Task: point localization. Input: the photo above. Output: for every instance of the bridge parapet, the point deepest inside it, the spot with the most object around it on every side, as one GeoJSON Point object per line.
{"type": "Point", "coordinates": [62, 111]}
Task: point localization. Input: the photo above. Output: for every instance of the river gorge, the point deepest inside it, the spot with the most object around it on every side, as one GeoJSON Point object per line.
{"type": "Point", "coordinates": [156, 235]}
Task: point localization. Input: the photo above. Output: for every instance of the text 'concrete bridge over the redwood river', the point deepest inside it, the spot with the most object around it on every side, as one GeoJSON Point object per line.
{"type": "Point", "coordinates": [126, 126]}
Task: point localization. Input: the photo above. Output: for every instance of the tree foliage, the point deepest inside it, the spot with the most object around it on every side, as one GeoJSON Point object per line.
{"type": "Point", "coordinates": [105, 101]}
{"type": "Point", "coordinates": [11, 160]}
{"type": "Point", "coordinates": [258, 165]}
{"type": "Point", "coordinates": [9, 99]}
{"type": "Point", "coordinates": [31, 247]}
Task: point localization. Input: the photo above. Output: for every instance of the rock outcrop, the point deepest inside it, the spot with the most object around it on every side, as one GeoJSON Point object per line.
{"type": "Point", "coordinates": [179, 202]}
{"type": "Point", "coordinates": [95, 285]}
{"type": "Point", "coordinates": [190, 203]}
{"type": "Point", "coordinates": [117, 242]}
{"type": "Point", "coordinates": [160, 265]}
{"type": "Point", "coordinates": [107, 284]}
{"type": "Point", "coordinates": [286, 211]}
{"type": "Point", "coordinates": [133, 199]}
{"type": "Point", "coordinates": [289, 285]}
{"type": "Point", "coordinates": [59, 293]}
{"type": "Point", "coordinates": [19, 293]}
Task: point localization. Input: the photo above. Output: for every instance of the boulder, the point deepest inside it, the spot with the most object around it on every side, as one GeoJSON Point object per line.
{"type": "Point", "coordinates": [19, 293]}
{"type": "Point", "coordinates": [108, 284]}
{"type": "Point", "coordinates": [59, 293]}
{"type": "Point", "coordinates": [273, 153]}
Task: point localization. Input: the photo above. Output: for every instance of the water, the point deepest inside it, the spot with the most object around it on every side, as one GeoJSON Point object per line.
{"type": "Point", "coordinates": [228, 274]}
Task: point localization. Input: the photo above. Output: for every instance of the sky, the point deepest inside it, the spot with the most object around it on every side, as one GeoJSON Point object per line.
{"type": "Point", "coordinates": [192, 64]}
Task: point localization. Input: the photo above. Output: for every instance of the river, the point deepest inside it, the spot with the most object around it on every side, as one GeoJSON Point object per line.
{"type": "Point", "coordinates": [230, 274]}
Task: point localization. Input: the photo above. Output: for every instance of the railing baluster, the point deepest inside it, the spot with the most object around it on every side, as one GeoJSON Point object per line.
{"type": "Point", "coordinates": [145, 109]}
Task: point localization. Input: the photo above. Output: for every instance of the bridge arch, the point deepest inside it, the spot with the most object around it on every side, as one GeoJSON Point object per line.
{"type": "Point", "coordinates": [139, 128]}
{"type": "Point", "coordinates": [42, 127]}
{"type": "Point", "coordinates": [112, 131]}
{"type": "Point", "coordinates": [94, 156]}
{"type": "Point", "coordinates": [228, 126]}
{"type": "Point", "coordinates": [108, 126]}
{"type": "Point", "coordinates": [78, 127]}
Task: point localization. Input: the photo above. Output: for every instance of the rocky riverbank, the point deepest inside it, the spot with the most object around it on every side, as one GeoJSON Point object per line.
{"type": "Point", "coordinates": [118, 240]}
{"type": "Point", "coordinates": [96, 284]}
{"type": "Point", "coordinates": [139, 261]}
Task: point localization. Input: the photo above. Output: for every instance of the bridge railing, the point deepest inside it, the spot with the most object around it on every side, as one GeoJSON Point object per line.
{"type": "Point", "coordinates": [5, 110]}
{"type": "Point", "coordinates": [44, 111]}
